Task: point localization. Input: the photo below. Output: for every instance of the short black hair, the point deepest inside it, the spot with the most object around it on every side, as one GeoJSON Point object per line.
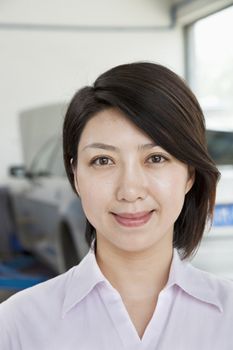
{"type": "Point", "coordinates": [161, 104]}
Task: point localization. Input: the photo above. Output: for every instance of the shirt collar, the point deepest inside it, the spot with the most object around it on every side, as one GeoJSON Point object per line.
{"type": "Point", "coordinates": [83, 278]}
{"type": "Point", "coordinates": [197, 283]}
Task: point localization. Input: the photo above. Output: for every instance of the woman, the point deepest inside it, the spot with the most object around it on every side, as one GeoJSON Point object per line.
{"type": "Point", "coordinates": [135, 153]}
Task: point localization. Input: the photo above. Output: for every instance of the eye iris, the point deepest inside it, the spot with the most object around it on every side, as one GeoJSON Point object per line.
{"type": "Point", "coordinates": [103, 161]}
{"type": "Point", "coordinates": [155, 159]}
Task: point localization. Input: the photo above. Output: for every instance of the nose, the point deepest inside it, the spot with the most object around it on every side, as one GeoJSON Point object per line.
{"type": "Point", "coordinates": [132, 184]}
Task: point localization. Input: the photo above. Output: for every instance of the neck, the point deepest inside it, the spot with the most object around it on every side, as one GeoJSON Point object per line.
{"type": "Point", "coordinates": [135, 275]}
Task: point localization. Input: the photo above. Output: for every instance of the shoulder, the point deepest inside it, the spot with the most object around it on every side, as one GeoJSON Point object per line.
{"type": "Point", "coordinates": [37, 298]}
{"type": "Point", "coordinates": [50, 298]}
{"type": "Point", "coordinates": [32, 314]}
{"type": "Point", "coordinates": [213, 280]}
{"type": "Point", "coordinates": [218, 288]}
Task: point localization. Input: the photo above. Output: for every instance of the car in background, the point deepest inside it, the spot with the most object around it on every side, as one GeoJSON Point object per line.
{"type": "Point", "coordinates": [51, 222]}
{"type": "Point", "coordinates": [48, 215]}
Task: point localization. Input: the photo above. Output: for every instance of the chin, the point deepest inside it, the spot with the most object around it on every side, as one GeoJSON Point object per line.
{"type": "Point", "coordinates": [135, 245]}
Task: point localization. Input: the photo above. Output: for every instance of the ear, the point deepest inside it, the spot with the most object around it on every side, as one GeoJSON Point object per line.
{"type": "Point", "coordinates": [74, 170]}
{"type": "Point", "coordinates": [191, 179]}
{"type": "Point", "coordinates": [76, 183]}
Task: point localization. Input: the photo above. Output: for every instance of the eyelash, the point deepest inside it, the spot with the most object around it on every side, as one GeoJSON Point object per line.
{"type": "Point", "coordinates": [94, 161]}
{"type": "Point", "coordinates": [158, 156]}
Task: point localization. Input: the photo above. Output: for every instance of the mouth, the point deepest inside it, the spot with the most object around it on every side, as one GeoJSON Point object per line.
{"type": "Point", "coordinates": [133, 219]}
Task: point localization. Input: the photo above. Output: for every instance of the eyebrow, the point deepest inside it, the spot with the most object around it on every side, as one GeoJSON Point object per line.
{"type": "Point", "coordinates": [116, 149]}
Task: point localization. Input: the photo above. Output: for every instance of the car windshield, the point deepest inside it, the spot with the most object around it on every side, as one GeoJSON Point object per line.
{"type": "Point", "coordinates": [220, 146]}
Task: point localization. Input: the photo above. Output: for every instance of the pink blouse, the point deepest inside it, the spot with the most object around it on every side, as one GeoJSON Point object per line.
{"type": "Point", "coordinates": [81, 310]}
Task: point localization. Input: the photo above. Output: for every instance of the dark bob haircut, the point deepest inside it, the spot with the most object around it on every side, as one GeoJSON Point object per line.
{"type": "Point", "coordinates": [159, 102]}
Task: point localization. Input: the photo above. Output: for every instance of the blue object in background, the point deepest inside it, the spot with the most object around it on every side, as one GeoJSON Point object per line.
{"type": "Point", "coordinates": [223, 215]}
{"type": "Point", "coordinates": [12, 278]}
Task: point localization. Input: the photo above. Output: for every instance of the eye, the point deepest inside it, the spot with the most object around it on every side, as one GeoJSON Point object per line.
{"type": "Point", "coordinates": [156, 158]}
{"type": "Point", "coordinates": [101, 161]}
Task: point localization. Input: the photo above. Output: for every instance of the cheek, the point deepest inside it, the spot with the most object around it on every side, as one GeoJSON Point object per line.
{"type": "Point", "coordinates": [170, 187]}
{"type": "Point", "coordinates": [95, 195]}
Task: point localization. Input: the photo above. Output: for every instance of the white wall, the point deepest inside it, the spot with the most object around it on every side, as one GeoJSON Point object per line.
{"type": "Point", "coordinates": [40, 66]}
{"type": "Point", "coordinates": [92, 12]}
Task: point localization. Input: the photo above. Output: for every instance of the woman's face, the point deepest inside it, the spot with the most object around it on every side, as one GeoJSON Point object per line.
{"type": "Point", "coordinates": [132, 190]}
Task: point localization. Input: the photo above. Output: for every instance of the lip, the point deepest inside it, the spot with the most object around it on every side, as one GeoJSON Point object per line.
{"type": "Point", "coordinates": [133, 219]}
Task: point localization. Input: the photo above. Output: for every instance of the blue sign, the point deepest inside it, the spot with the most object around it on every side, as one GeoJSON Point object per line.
{"type": "Point", "coordinates": [223, 215]}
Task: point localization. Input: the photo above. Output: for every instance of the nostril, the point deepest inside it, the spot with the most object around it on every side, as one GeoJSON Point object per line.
{"type": "Point", "coordinates": [131, 193]}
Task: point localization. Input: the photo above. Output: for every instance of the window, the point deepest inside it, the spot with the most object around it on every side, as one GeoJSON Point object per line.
{"type": "Point", "coordinates": [42, 163]}
{"type": "Point", "coordinates": [57, 166]}
{"type": "Point", "coordinates": [209, 66]}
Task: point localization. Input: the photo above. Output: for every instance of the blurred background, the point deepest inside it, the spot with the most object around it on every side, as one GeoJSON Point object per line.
{"type": "Point", "coordinates": [48, 50]}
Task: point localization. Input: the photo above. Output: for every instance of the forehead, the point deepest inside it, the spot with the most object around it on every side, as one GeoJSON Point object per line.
{"type": "Point", "coordinates": [112, 126]}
